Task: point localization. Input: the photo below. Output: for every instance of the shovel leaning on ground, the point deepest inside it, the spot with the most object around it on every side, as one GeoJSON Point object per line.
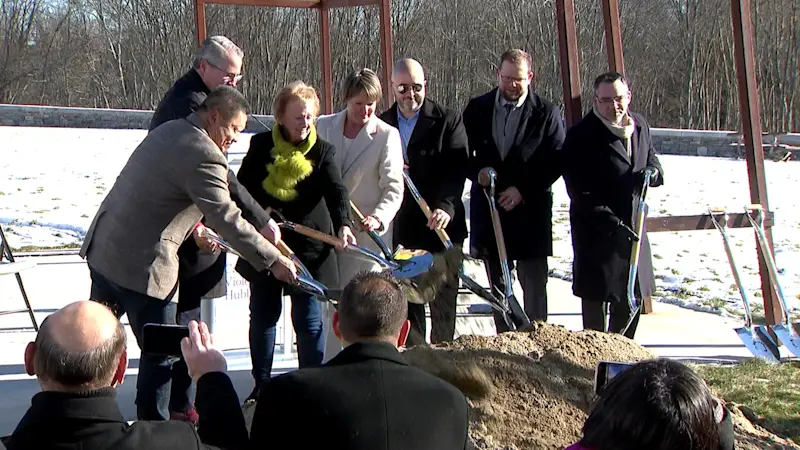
{"type": "Point", "coordinates": [517, 315]}
{"type": "Point", "coordinates": [787, 332]}
{"type": "Point", "coordinates": [756, 339]}
{"type": "Point", "coordinates": [496, 303]}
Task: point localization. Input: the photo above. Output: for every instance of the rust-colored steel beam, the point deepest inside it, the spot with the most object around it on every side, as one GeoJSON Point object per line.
{"type": "Point", "coordinates": [387, 51]}
{"type": "Point", "coordinates": [750, 110]}
{"type": "Point", "coordinates": [348, 3]}
{"type": "Point", "coordinates": [271, 3]}
{"type": "Point", "coordinates": [570, 64]}
{"type": "Point", "coordinates": [200, 21]}
{"type": "Point", "coordinates": [613, 32]}
{"type": "Point", "coordinates": [325, 53]}
{"type": "Point", "coordinates": [703, 222]}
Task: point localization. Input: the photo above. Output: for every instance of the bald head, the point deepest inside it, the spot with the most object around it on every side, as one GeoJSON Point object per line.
{"type": "Point", "coordinates": [78, 347]}
{"type": "Point", "coordinates": [407, 66]}
{"type": "Point", "coordinates": [408, 86]}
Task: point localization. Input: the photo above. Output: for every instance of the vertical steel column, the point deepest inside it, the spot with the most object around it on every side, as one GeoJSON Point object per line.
{"type": "Point", "coordinates": [613, 34]}
{"type": "Point", "coordinates": [325, 54]}
{"type": "Point", "coordinates": [568, 56]}
{"type": "Point", "coordinates": [387, 52]}
{"type": "Point", "coordinates": [744, 57]}
{"type": "Point", "coordinates": [200, 21]}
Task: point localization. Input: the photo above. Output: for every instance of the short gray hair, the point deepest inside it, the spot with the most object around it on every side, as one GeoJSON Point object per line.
{"type": "Point", "coordinates": [226, 100]}
{"type": "Point", "coordinates": [215, 49]}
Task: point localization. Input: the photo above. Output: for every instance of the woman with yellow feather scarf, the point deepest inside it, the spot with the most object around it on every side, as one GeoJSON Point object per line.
{"type": "Point", "coordinates": [291, 170]}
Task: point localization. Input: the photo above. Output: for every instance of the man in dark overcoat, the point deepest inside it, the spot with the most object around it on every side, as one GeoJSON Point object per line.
{"type": "Point", "coordinates": [435, 151]}
{"type": "Point", "coordinates": [606, 155]}
{"type": "Point", "coordinates": [519, 134]}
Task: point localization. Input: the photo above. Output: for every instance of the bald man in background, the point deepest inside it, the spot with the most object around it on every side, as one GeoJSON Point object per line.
{"type": "Point", "coordinates": [435, 151]}
{"type": "Point", "coordinates": [79, 358]}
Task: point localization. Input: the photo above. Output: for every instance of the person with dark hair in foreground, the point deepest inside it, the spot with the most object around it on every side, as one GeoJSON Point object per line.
{"type": "Point", "coordinates": [79, 358]}
{"type": "Point", "coordinates": [657, 405]}
{"type": "Point", "coordinates": [367, 397]}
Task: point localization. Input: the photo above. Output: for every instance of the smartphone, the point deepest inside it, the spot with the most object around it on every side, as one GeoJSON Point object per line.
{"type": "Point", "coordinates": [606, 370]}
{"type": "Point", "coordinates": [163, 339]}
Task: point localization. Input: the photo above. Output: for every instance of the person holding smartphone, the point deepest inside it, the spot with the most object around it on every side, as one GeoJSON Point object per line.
{"type": "Point", "coordinates": [657, 405]}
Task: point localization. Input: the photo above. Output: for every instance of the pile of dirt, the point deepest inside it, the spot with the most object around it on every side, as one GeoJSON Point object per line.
{"type": "Point", "coordinates": [534, 389]}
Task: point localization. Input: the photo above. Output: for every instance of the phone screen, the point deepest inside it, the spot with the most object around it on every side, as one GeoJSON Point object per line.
{"type": "Point", "coordinates": [163, 339]}
{"type": "Point", "coordinates": [606, 371]}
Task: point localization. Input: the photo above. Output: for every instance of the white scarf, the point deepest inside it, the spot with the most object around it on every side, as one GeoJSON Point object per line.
{"type": "Point", "coordinates": [624, 130]}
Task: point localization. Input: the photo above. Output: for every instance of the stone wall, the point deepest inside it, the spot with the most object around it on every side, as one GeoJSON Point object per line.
{"type": "Point", "coordinates": [667, 141]}
{"type": "Point", "coordinates": [126, 119]}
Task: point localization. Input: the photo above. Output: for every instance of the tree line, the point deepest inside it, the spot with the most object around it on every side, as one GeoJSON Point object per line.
{"type": "Point", "coordinates": [678, 53]}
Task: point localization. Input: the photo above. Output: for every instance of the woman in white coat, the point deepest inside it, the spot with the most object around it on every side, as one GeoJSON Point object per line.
{"type": "Point", "coordinates": [370, 156]}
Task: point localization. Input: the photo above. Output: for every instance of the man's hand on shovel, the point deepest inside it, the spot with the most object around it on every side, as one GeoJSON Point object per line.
{"type": "Point", "coordinates": [284, 269]}
{"type": "Point", "coordinates": [347, 237]}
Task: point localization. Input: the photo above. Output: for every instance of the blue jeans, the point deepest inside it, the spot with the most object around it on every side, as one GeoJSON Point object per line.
{"type": "Point", "coordinates": [265, 310]}
{"type": "Point", "coordinates": [155, 371]}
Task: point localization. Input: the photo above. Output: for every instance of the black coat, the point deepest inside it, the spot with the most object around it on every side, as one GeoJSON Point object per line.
{"type": "Point", "coordinates": [603, 185]}
{"type": "Point", "coordinates": [437, 164]}
{"type": "Point", "coordinates": [92, 420]}
{"type": "Point", "coordinates": [200, 272]}
{"type": "Point", "coordinates": [532, 166]}
{"type": "Point", "coordinates": [366, 398]}
{"type": "Point", "coordinates": [322, 203]}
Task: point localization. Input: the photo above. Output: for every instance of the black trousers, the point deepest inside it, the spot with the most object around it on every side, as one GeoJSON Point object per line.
{"type": "Point", "coordinates": [443, 315]}
{"type": "Point", "coordinates": [532, 274]}
{"type": "Point", "coordinates": [595, 313]}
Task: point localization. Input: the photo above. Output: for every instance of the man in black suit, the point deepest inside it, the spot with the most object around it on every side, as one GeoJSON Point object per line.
{"type": "Point", "coordinates": [435, 151]}
{"type": "Point", "coordinates": [607, 154]}
{"type": "Point", "coordinates": [519, 134]}
{"type": "Point", "coordinates": [80, 356]}
{"type": "Point", "coordinates": [202, 269]}
{"type": "Point", "coordinates": [367, 397]}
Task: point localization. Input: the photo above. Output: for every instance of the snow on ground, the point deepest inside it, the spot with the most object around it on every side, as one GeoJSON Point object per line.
{"type": "Point", "coordinates": [53, 179]}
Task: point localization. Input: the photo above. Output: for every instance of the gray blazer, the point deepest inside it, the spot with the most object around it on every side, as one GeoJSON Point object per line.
{"type": "Point", "coordinates": [175, 176]}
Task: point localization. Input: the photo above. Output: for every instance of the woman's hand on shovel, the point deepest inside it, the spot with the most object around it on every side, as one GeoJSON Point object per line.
{"type": "Point", "coordinates": [347, 237]}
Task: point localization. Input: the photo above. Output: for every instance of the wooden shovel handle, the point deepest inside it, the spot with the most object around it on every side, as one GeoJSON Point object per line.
{"type": "Point", "coordinates": [314, 234]}
{"type": "Point", "coordinates": [285, 249]}
{"type": "Point", "coordinates": [443, 236]}
{"type": "Point", "coordinates": [357, 211]}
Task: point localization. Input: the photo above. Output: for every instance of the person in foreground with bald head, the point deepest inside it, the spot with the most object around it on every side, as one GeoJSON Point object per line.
{"type": "Point", "coordinates": [367, 397]}
{"type": "Point", "coordinates": [79, 357]}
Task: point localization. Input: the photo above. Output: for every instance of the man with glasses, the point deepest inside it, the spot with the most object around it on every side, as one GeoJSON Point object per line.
{"type": "Point", "coordinates": [435, 150]}
{"type": "Point", "coordinates": [606, 156]}
{"type": "Point", "coordinates": [519, 134]}
{"type": "Point", "coordinates": [202, 267]}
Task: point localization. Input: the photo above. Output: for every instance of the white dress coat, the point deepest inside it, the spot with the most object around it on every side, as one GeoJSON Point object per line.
{"type": "Point", "coordinates": [372, 171]}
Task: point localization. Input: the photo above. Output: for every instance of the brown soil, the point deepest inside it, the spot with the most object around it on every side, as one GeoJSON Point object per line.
{"type": "Point", "coordinates": [533, 389]}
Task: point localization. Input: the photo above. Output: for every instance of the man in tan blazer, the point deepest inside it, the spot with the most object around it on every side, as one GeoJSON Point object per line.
{"type": "Point", "coordinates": [370, 156]}
{"type": "Point", "coordinates": [176, 176]}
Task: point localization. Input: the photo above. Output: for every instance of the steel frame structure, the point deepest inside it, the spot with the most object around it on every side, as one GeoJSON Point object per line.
{"type": "Point", "coordinates": [744, 52]}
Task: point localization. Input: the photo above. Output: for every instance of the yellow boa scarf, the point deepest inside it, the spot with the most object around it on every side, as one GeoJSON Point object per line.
{"type": "Point", "coordinates": [290, 165]}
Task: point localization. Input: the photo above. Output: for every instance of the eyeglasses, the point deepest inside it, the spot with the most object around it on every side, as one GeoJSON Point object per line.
{"type": "Point", "coordinates": [235, 77]}
{"type": "Point", "coordinates": [617, 99]}
{"type": "Point", "coordinates": [507, 79]}
{"type": "Point", "coordinates": [403, 88]}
